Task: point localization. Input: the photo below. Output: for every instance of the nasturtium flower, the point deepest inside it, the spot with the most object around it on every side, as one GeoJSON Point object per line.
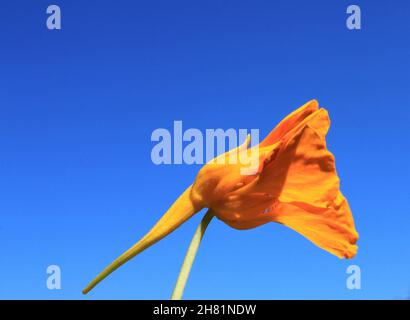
{"type": "Point", "coordinates": [295, 184]}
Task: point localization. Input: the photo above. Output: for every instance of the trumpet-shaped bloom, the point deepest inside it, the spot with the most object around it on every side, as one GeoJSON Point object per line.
{"type": "Point", "coordinates": [295, 184]}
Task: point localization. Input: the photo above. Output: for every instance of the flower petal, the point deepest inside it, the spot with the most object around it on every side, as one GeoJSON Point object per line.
{"type": "Point", "coordinates": [290, 122]}
{"type": "Point", "coordinates": [323, 227]}
{"type": "Point", "coordinates": [309, 200]}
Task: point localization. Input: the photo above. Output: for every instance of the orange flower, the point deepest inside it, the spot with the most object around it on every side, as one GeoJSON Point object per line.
{"type": "Point", "coordinates": [295, 184]}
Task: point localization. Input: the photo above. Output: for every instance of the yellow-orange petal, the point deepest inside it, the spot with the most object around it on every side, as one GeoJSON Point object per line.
{"type": "Point", "coordinates": [321, 226]}
{"type": "Point", "coordinates": [275, 172]}
{"type": "Point", "coordinates": [290, 122]}
{"type": "Point", "coordinates": [309, 200]}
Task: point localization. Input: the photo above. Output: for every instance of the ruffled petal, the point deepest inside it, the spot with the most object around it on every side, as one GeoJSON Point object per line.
{"type": "Point", "coordinates": [290, 122]}
{"type": "Point", "coordinates": [309, 200]}
{"type": "Point", "coordinates": [326, 228]}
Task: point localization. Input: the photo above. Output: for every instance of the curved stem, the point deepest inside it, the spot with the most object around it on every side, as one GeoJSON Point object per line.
{"type": "Point", "coordinates": [190, 256]}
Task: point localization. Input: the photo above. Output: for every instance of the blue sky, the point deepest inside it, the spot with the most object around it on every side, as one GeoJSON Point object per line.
{"type": "Point", "coordinates": [78, 106]}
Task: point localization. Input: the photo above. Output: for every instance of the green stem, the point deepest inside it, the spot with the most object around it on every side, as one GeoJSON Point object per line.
{"type": "Point", "coordinates": [190, 256]}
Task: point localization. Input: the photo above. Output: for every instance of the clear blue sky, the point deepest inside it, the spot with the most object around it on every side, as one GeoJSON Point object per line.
{"type": "Point", "coordinates": [78, 106]}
